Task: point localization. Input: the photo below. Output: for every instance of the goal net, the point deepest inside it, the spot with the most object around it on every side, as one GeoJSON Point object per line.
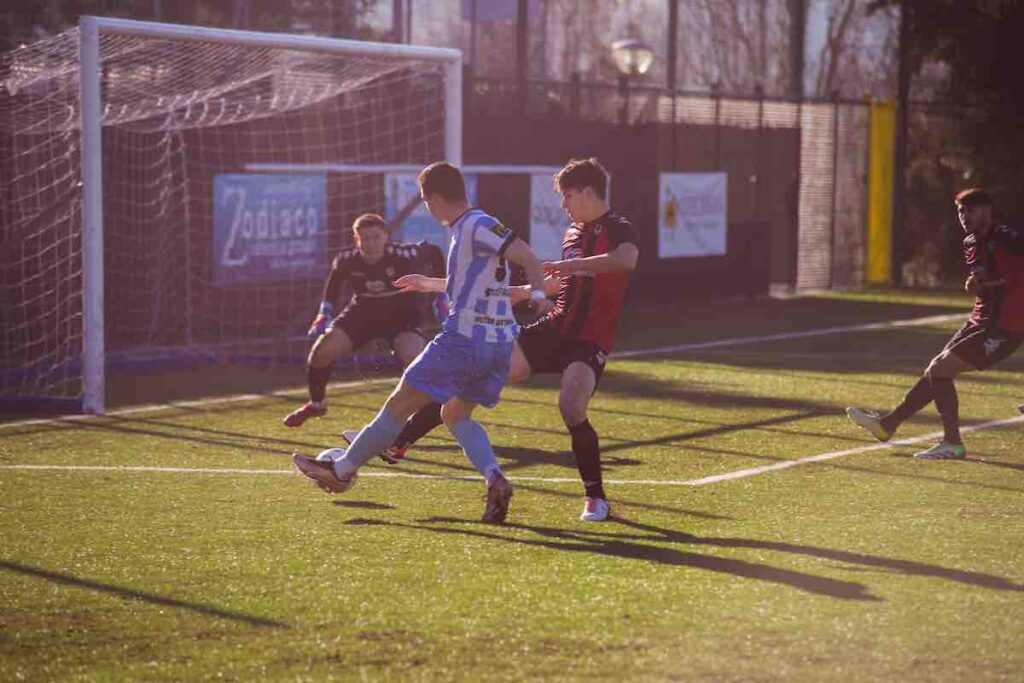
{"type": "Point", "coordinates": [132, 233]}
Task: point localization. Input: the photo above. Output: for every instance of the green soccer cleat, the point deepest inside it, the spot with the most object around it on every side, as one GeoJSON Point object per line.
{"type": "Point", "coordinates": [943, 450]}
{"type": "Point", "coordinates": [869, 422]}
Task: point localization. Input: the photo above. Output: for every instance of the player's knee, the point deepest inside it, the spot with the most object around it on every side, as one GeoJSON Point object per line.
{"type": "Point", "coordinates": [573, 411]}
{"type": "Point", "coordinates": [452, 414]}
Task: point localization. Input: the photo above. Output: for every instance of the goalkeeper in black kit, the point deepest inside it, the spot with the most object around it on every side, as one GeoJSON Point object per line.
{"type": "Point", "coordinates": [377, 308]}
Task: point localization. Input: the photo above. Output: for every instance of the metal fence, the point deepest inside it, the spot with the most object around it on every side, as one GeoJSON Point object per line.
{"type": "Point", "coordinates": [831, 188]}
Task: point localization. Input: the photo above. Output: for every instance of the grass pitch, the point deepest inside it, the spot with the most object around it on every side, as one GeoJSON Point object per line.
{"type": "Point", "coordinates": [174, 544]}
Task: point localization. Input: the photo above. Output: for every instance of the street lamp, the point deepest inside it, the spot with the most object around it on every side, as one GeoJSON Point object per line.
{"type": "Point", "coordinates": [632, 58]}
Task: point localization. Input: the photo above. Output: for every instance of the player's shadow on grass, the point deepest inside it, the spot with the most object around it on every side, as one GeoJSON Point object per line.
{"type": "Point", "coordinates": [362, 504]}
{"type": "Point", "coordinates": [131, 594]}
{"type": "Point", "coordinates": [908, 567]}
{"type": "Point", "coordinates": [627, 547]}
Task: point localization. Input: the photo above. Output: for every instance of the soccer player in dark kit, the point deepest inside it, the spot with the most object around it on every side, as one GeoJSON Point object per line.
{"type": "Point", "coordinates": [599, 251]}
{"type": "Point", "coordinates": [377, 308]}
{"type": "Point", "coordinates": [995, 260]}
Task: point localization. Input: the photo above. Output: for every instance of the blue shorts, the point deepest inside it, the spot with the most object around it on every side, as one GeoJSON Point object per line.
{"type": "Point", "coordinates": [453, 365]}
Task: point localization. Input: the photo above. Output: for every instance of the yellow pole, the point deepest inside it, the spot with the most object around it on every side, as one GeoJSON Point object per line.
{"type": "Point", "coordinates": [881, 162]}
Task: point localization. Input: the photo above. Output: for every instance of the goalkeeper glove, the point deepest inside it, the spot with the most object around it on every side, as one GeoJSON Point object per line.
{"type": "Point", "coordinates": [321, 320]}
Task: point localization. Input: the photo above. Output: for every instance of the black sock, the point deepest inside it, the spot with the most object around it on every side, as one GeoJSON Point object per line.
{"type": "Point", "coordinates": [317, 379]}
{"type": "Point", "coordinates": [917, 398]}
{"type": "Point", "coordinates": [587, 450]}
{"type": "Point", "coordinates": [948, 404]}
{"type": "Point", "coordinates": [423, 421]}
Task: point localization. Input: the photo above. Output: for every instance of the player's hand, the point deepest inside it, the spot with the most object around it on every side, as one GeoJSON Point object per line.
{"type": "Point", "coordinates": [557, 268]}
{"type": "Point", "coordinates": [322, 319]}
{"type": "Point", "coordinates": [519, 294]}
{"type": "Point", "coordinates": [413, 283]}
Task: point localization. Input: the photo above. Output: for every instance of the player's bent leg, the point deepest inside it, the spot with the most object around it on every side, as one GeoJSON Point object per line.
{"type": "Point", "coordinates": [327, 347]}
{"type": "Point", "coordinates": [407, 345]}
{"type": "Point", "coordinates": [941, 373]}
{"type": "Point", "coordinates": [578, 383]}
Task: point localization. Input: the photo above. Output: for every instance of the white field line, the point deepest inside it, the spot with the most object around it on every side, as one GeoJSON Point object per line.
{"type": "Point", "coordinates": [637, 353]}
{"type": "Point", "coordinates": [740, 474]}
{"type": "Point", "coordinates": [703, 481]}
{"type": "Point", "coordinates": [736, 341]}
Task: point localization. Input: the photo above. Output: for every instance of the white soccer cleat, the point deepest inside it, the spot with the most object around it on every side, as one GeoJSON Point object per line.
{"type": "Point", "coordinates": [943, 450]}
{"type": "Point", "coordinates": [869, 422]}
{"type": "Point", "coordinates": [595, 510]}
{"type": "Point", "coordinates": [322, 474]}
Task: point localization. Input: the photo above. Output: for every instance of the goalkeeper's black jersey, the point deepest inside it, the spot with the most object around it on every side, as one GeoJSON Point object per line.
{"type": "Point", "coordinates": [373, 282]}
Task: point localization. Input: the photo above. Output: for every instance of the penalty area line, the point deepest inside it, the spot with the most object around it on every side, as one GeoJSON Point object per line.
{"type": "Point", "coordinates": [702, 481]}
{"type": "Point", "coordinates": [754, 471]}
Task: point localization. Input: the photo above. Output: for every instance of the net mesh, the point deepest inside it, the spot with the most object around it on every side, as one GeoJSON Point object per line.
{"type": "Point", "coordinates": [176, 115]}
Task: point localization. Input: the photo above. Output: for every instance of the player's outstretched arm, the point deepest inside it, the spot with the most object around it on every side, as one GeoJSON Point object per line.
{"type": "Point", "coordinates": [519, 253]}
{"type": "Point", "coordinates": [621, 259]}
{"type": "Point", "coordinates": [521, 293]}
{"type": "Point", "coordinates": [420, 283]}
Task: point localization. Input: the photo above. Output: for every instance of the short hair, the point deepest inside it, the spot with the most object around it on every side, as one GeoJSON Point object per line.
{"type": "Point", "coordinates": [973, 196]}
{"type": "Point", "coordinates": [369, 220]}
{"type": "Point", "coordinates": [581, 173]}
{"type": "Point", "coordinates": [443, 179]}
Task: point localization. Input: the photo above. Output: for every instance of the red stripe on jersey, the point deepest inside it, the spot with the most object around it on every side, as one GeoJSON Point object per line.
{"type": "Point", "coordinates": [588, 306]}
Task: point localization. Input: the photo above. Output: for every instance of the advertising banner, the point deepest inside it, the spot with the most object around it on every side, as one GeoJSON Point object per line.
{"type": "Point", "coordinates": [268, 228]}
{"type": "Point", "coordinates": [401, 189]}
{"type": "Point", "coordinates": [548, 220]}
{"type": "Point", "coordinates": [692, 214]}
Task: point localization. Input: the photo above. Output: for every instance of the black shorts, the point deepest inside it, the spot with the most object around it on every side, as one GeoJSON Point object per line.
{"type": "Point", "coordinates": [548, 351]}
{"type": "Point", "coordinates": [982, 346]}
{"type": "Point", "coordinates": [367, 321]}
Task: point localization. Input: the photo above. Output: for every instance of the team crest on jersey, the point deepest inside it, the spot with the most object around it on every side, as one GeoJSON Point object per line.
{"type": "Point", "coordinates": [600, 358]}
{"type": "Point", "coordinates": [598, 230]}
{"type": "Point", "coordinates": [390, 271]}
{"type": "Point", "coordinates": [992, 345]}
{"type": "Point", "coordinates": [500, 230]}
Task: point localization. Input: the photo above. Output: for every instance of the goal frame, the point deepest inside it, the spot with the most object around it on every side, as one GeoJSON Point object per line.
{"type": "Point", "coordinates": [90, 30]}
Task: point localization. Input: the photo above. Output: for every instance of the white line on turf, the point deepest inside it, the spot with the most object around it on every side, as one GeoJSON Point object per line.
{"type": "Point", "coordinates": [703, 481]}
{"type": "Point", "coordinates": [781, 465]}
{"type": "Point", "coordinates": [636, 353]}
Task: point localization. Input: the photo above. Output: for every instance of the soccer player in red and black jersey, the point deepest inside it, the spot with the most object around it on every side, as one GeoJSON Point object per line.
{"type": "Point", "coordinates": [994, 255]}
{"type": "Point", "coordinates": [599, 251]}
{"type": "Point", "coordinates": [377, 308]}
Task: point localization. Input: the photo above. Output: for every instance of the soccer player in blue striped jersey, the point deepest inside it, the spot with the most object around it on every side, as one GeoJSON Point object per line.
{"type": "Point", "coordinates": [467, 363]}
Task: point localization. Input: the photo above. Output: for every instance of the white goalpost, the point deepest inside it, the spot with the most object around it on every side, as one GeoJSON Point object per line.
{"type": "Point", "coordinates": [132, 227]}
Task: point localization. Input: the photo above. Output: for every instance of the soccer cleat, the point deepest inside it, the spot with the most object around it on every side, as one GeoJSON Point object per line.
{"type": "Point", "coordinates": [308, 410]}
{"type": "Point", "coordinates": [943, 450]}
{"type": "Point", "coordinates": [322, 474]}
{"type": "Point", "coordinates": [869, 422]}
{"type": "Point", "coordinates": [595, 509]}
{"type": "Point", "coordinates": [499, 493]}
{"type": "Point", "coordinates": [392, 456]}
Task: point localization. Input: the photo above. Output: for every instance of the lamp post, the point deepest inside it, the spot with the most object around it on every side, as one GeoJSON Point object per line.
{"type": "Point", "coordinates": [632, 58]}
